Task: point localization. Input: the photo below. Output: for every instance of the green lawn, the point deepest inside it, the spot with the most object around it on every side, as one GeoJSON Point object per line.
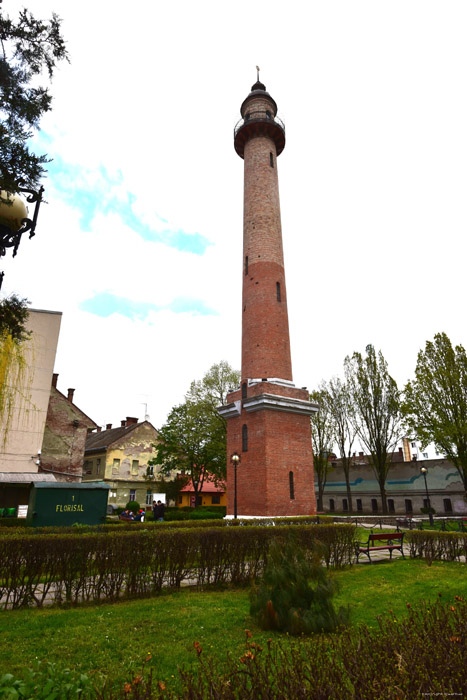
{"type": "Point", "coordinates": [113, 640]}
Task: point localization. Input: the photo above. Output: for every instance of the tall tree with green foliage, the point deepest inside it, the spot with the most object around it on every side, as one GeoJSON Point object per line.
{"type": "Point", "coordinates": [29, 48]}
{"type": "Point", "coordinates": [435, 402]}
{"type": "Point", "coordinates": [322, 439]}
{"type": "Point", "coordinates": [342, 411]}
{"type": "Point", "coordinates": [377, 410]}
{"type": "Point", "coordinates": [193, 439]}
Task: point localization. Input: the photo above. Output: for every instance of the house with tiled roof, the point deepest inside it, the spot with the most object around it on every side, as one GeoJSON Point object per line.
{"type": "Point", "coordinates": [211, 495]}
{"type": "Point", "coordinates": [119, 456]}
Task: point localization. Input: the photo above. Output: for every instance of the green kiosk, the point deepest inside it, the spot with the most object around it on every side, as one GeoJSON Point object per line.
{"type": "Point", "coordinates": [67, 504]}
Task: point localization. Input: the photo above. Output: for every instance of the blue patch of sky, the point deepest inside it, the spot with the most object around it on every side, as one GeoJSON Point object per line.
{"type": "Point", "coordinates": [93, 195]}
{"type": "Point", "coordinates": [106, 304]}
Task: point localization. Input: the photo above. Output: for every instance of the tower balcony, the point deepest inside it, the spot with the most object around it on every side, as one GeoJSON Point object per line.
{"type": "Point", "coordinates": [259, 123]}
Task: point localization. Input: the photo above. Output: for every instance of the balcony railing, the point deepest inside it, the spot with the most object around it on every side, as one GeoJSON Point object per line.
{"type": "Point", "coordinates": [258, 116]}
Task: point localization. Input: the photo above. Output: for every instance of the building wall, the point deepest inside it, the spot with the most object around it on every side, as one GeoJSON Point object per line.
{"type": "Point", "coordinates": [185, 499]}
{"type": "Point", "coordinates": [25, 434]}
{"type": "Point", "coordinates": [404, 483]}
{"type": "Point", "coordinates": [64, 440]}
{"type": "Point", "coordinates": [117, 466]}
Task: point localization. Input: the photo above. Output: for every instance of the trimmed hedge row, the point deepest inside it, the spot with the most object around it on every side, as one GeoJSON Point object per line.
{"type": "Point", "coordinates": [35, 569]}
{"type": "Point", "coordinates": [148, 525]}
{"type": "Point", "coordinates": [437, 545]}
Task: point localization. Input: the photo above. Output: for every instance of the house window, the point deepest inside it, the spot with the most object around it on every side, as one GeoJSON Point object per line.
{"type": "Point", "coordinates": [414, 444]}
{"type": "Point", "coordinates": [113, 494]}
{"type": "Point", "coordinates": [88, 466]}
{"type": "Point", "coordinates": [425, 503]}
{"type": "Point", "coordinates": [332, 507]}
{"type": "Point", "coordinates": [216, 499]}
{"type": "Point", "coordinates": [98, 466]}
{"type": "Point", "coordinates": [408, 506]}
{"type": "Point", "coordinates": [291, 486]}
{"type": "Point", "coordinates": [116, 465]}
{"type": "Point", "coordinates": [246, 265]}
{"type": "Point", "coordinates": [180, 499]}
{"type": "Point", "coordinates": [135, 467]}
{"type": "Point", "coordinates": [245, 438]}
{"type": "Point", "coordinates": [132, 495]}
{"type": "Point", "coordinates": [271, 160]}
{"type": "Point", "coordinates": [447, 505]}
{"type": "Point", "coordinates": [374, 505]}
{"type": "Point", "coordinates": [359, 505]}
{"type": "Point", "coordinates": [148, 498]}
{"type": "Point", "coordinates": [150, 470]}
{"type": "Point", "coordinates": [391, 508]}
{"type": "Point", "coordinates": [278, 291]}
{"type": "Point", "coordinates": [345, 504]}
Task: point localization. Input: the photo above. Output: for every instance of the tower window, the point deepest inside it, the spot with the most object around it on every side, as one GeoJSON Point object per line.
{"type": "Point", "coordinates": [278, 291]}
{"type": "Point", "coordinates": [291, 486]}
{"type": "Point", "coordinates": [268, 114]}
{"type": "Point", "coordinates": [246, 264]}
{"type": "Point", "coordinates": [271, 160]}
{"type": "Point", "coordinates": [245, 438]}
{"type": "Point", "coordinates": [244, 390]}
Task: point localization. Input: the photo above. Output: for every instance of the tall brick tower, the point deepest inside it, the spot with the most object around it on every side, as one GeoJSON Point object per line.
{"type": "Point", "coordinates": [268, 419]}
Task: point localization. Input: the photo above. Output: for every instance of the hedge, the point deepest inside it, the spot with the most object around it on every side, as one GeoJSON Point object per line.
{"type": "Point", "coordinates": [437, 545]}
{"type": "Point", "coordinates": [73, 568]}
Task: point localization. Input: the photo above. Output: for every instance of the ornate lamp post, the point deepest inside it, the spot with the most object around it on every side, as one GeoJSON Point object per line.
{"type": "Point", "coordinates": [14, 219]}
{"type": "Point", "coordinates": [430, 514]}
{"type": "Point", "coordinates": [235, 459]}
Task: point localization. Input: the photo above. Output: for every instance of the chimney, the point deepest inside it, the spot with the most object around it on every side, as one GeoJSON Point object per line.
{"type": "Point", "coordinates": [123, 423]}
{"type": "Point", "coordinates": [99, 428]}
{"type": "Point", "coordinates": [400, 450]}
{"type": "Point", "coordinates": [131, 421]}
{"type": "Point", "coordinates": [70, 395]}
{"type": "Point", "coordinates": [54, 380]}
{"type": "Point", "coordinates": [360, 454]}
{"type": "Point", "coordinates": [108, 426]}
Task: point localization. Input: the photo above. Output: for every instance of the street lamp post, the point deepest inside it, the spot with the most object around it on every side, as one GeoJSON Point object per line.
{"type": "Point", "coordinates": [430, 514]}
{"type": "Point", "coordinates": [14, 220]}
{"type": "Point", "coordinates": [235, 459]}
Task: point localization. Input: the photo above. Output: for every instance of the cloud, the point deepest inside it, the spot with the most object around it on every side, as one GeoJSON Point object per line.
{"type": "Point", "coordinates": [98, 191]}
{"type": "Point", "coordinates": [106, 304]}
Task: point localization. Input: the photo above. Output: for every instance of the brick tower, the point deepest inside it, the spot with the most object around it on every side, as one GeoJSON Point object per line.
{"type": "Point", "coordinates": [268, 419]}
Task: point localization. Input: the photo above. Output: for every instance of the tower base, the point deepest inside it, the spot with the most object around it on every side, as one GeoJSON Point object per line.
{"type": "Point", "coordinates": [268, 425]}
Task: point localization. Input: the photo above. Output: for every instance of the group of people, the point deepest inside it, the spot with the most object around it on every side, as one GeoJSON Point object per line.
{"type": "Point", "coordinates": [158, 510]}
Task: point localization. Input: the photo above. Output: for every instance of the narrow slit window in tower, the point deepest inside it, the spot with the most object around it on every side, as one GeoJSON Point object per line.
{"type": "Point", "coordinates": [291, 486]}
{"type": "Point", "coordinates": [245, 438]}
{"type": "Point", "coordinates": [244, 390]}
{"type": "Point", "coordinates": [271, 160]}
{"type": "Point", "coordinates": [246, 264]}
{"type": "Point", "coordinates": [278, 291]}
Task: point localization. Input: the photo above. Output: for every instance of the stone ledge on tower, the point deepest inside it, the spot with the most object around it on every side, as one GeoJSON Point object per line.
{"type": "Point", "coordinates": [230, 410]}
{"type": "Point", "coordinates": [273, 402]}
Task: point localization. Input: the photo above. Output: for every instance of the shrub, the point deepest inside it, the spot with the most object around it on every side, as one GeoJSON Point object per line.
{"type": "Point", "coordinates": [133, 506]}
{"type": "Point", "coordinates": [295, 595]}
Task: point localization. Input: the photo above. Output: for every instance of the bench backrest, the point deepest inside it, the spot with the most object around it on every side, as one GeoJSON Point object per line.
{"type": "Point", "coordinates": [387, 536]}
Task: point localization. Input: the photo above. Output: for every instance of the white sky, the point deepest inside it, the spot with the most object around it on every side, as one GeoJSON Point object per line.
{"type": "Point", "coordinates": [373, 184]}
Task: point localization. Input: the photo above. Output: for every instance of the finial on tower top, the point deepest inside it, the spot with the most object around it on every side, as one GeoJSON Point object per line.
{"type": "Point", "coordinates": [258, 85]}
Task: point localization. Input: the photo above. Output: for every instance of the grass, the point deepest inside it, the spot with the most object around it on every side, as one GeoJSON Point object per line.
{"type": "Point", "coordinates": [111, 641]}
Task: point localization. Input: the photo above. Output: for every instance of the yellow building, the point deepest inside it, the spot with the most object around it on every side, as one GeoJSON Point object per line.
{"type": "Point", "coordinates": [211, 495]}
{"type": "Point", "coordinates": [119, 456]}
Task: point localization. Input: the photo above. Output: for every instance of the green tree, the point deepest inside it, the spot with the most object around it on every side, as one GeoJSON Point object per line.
{"type": "Point", "coordinates": [29, 47]}
{"type": "Point", "coordinates": [14, 314]}
{"type": "Point", "coordinates": [193, 440]}
{"type": "Point", "coordinates": [435, 403]}
{"type": "Point", "coordinates": [322, 438]}
{"type": "Point", "coordinates": [341, 408]}
{"type": "Point", "coordinates": [377, 410]}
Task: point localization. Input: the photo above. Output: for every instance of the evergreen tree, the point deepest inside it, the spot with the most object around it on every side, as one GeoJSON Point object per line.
{"type": "Point", "coordinates": [29, 47]}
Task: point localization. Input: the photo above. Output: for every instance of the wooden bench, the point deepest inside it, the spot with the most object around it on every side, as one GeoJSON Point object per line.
{"type": "Point", "coordinates": [392, 541]}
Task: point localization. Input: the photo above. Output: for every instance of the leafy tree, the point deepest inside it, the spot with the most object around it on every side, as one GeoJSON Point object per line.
{"type": "Point", "coordinates": [14, 314]}
{"type": "Point", "coordinates": [435, 403]}
{"type": "Point", "coordinates": [341, 408]}
{"type": "Point", "coordinates": [377, 410]}
{"type": "Point", "coordinates": [28, 48]}
{"type": "Point", "coordinates": [213, 388]}
{"type": "Point", "coordinates": [192, 441]}
{"type": "Point", "coordinates": [322, 438]}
